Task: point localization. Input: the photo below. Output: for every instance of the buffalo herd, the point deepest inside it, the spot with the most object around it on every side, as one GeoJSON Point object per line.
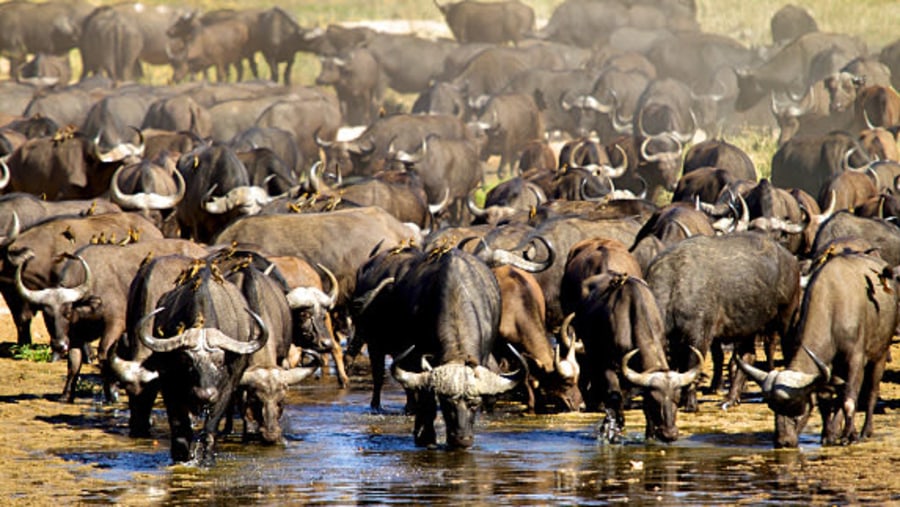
{"type": "Point", "coordinates": [549, 211]}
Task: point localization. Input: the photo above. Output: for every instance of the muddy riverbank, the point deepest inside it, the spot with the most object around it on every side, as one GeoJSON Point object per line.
{"type": "Point", "coordinates": [338, 452]}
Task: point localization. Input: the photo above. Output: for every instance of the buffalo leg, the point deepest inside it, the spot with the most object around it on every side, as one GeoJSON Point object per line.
{"type": "Point", "coordinates": [376, 359]}
{"type": "Point", "coordinates": [179, 424]}
{"type": "Point", "coordinates": [287, 71]}
{"type": "Point", "coordinates": [831, 419]}
{"type": "Point", "coordinates": [74, 367]}
{"type": "Point", "coordinates": [21, 312]}
{"type": "Point", "coordinates": [140, 407]}
{"type": "Point", "coordinates": [871, 389]}
{"type": "Point", "coordinates": [337, 353]}
{"type": "Point", "coordinates": [718, 359]}
{"type": "Point", "coordinates": [426, 411]}
{"type": "Point", "coordinates": [747, 349]}
{"type": "Point", "coordinates": [614, 422]}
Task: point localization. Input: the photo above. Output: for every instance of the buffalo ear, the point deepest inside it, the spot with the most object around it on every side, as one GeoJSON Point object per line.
{"type": "Point", "coordinates": [89, 307]}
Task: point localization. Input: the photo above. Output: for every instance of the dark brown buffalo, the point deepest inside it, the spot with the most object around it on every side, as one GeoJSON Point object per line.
{"type": "Point", "coordinates": [366, 154]}
{"type": "Point", "coordinates": [89, 300]}
{"type": "Point", "coordinates": [179, 113]}
{"type": "Point", "coordinates": [552, 382]}
{"type": "Point", "coordinates": [592, 257]}
{"type": "Point", "coordinates": [43, 244]}
{"type": "Point", "coordinates": [720, 154]}
{"type": "Point", "coordinates": [60, 167]}
{"type": "Point", "coordinates": [147, 188]}
{"type": "Point", "coordinates": [51, 28]}
{"type": "Point", "coordinates": [20, 212]}
{"type": "Point", "coordinates": [448, 168]}
{"type": "Point", "coordinates": [617, 317]}
{"type": "Point", "coordinates": [755, 293]}
{"type": "Point", "coordinates": [807, 163]}
{"type": "Point", "coordinates": [790, 22]}
{"type": "Point", "coordinates": [839, 349]}
{"type": "Point", "coordinates": [202, 335]}
{"type": "Point", "coordinates": [675, 223]}
{"type": "Point", "coordinates": [111, 44]}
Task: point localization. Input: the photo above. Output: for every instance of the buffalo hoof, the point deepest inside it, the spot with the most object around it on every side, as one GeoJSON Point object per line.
{"type": "Point", "coordinates": [610, 430]}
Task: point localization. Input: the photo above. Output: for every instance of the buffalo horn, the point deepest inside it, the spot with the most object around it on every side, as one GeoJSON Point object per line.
{"type": "Point", "coordinates": [298, 374]}
{"type": "Point", "coordinates": [146, 200]}
{"type": "Point", "coordinates": [473, 208]}
{"type": "Point", "coordinates": [501, 257]}
{"type": "Point", "coordinates": [434, 209]}
{"type": "Point", "coordinates": [321, 142]}
{"type": "Point", "coordinates": [409, 380]}
{"type": "Point", "coordinates": [56, 296]}
{"type": "Point", "coordinates": [13, 232]}
{"type": "Point", "coordinates": [366, 299]}
{"type": "Point", "coordinates": [130, 372]}
{"type": "Point", "coordinates": [4, 179]}
{"type": "Point", "coordinates": [567, 368]}
{"type": "Point", "coordinates": [217, 338]}
{"type": "Point", "coordinates": [335, 288]}
{"type": "Point", "coordinates": [160, 345]}
{"type": "Point", "coordinates": [619, 170]}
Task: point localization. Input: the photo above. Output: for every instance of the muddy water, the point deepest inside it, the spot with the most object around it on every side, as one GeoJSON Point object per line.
{"type": "Point", "coordinates": [338, 452]}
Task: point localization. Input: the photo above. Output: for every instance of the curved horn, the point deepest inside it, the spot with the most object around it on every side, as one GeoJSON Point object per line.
{"type": "Point", "coordinates": [335, 288]}
{"type": "Point", "coordinates": [489, 383]}
{"type": "Point", "coordinates": [160, 345]}
{"type": "Point", "coordinates": [619, 170]}
{"type": "Point", "coordinates": [321, 142]}
{"type": "Point", "coordinates": [684, 229]}
{"type": "Point", "coordinates": [217, 338]}
{"type": "Point", "coordinates": [313, 177]}
{"type": "Point", "coordinates": [366, 299]}
{"type": "Point", "coordinates": [689, 377]}
{"type": "Point", "coordinates": [473, 208]}
{"type": "Point", "coordinates": [869, 124]}
{"type": "Point", "coordinates": [824, 369]}
{"type": "Point", "coordinates": [130, 372]}
{"type": "Point", "coordinates": [567, 368]}
{"type": "Point", "coordinates": [846, 161]}
{"type": "Point", "coordinates": [15, 227]}
{"type": "Point", "coordinates": [4, 179]}
{"type": "Point", "coordinates": [146, 200]}
{"type": "Point", "coordinates": [501, 257]}
{"type": "Point", "coordinates": [434, 209]}
{"type": "Point", "coordinates": [409, 380]}
{"type": "Point", "coordinates": [57, 295]}
{"type": "Point", "coordinates": [638, 379]}
{"type": "Point", "coordinates": [298, 374]}
{"type": "Point", "coordinates": [761, 377]}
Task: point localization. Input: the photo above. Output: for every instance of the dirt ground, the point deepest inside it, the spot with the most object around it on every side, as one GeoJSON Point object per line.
{"type": "Point", "coordinates": [35, 426]}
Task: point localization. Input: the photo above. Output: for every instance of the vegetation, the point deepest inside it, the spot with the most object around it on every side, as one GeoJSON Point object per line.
{"type": "Point", "coordinates": [35, 353]}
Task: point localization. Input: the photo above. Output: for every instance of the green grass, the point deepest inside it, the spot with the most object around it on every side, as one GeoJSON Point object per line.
{"type": "Point", "coordinates": [34, 353]}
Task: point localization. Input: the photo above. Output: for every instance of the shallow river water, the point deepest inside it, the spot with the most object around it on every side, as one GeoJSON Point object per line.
{"type": "Point", "coordinates": [338, 452]}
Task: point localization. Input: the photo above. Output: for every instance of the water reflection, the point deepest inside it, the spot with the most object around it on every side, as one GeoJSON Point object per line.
{"type": "Point", "coordinates": [336, 451]}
